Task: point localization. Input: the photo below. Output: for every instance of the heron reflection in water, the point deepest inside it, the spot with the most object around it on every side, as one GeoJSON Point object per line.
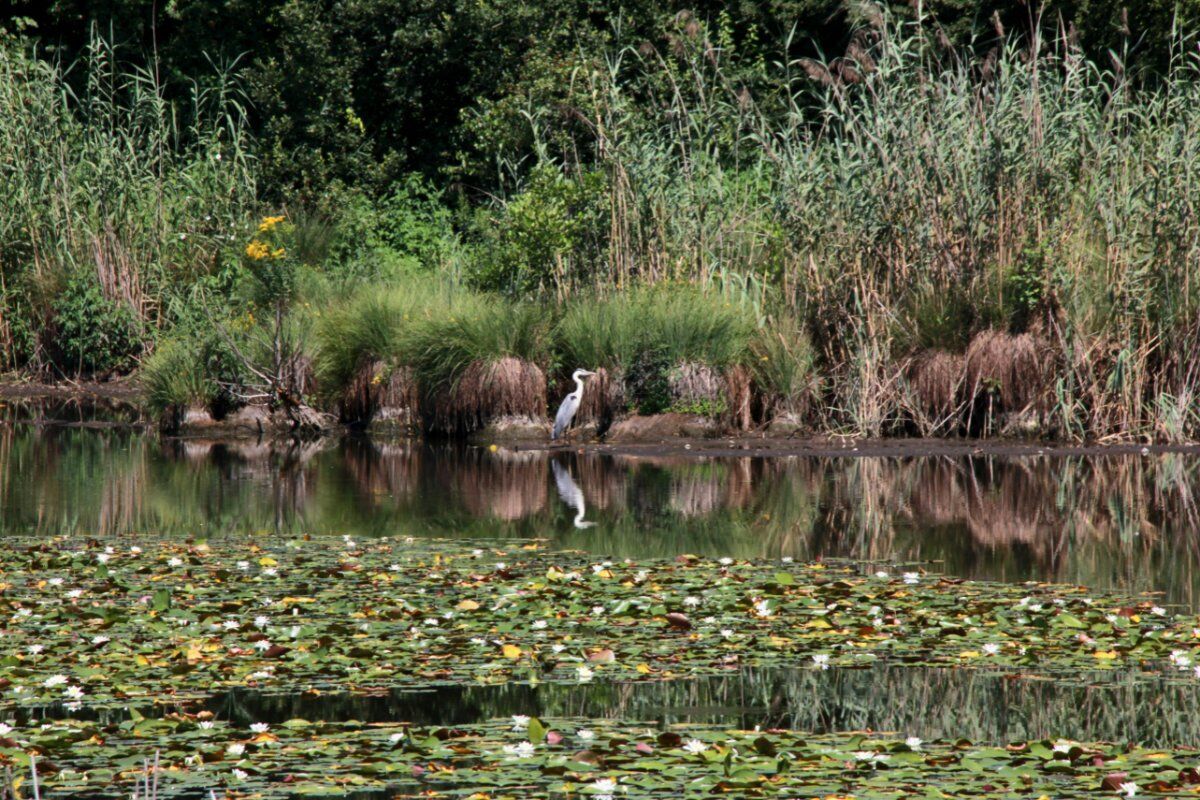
{"type": "Point", "coordinates": [570, 493]}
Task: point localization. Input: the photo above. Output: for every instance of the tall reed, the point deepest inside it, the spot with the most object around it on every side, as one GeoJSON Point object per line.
{"type": "Point", "coordinates": [102, 175]}
{"type": "Point", "coordinates": [1028, 189]}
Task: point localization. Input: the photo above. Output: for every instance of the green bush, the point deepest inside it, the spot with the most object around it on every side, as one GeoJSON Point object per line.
{"type": "Point", "coordinates": [549, 236]}
{"type": "Point", "coordinates": [92, 334]}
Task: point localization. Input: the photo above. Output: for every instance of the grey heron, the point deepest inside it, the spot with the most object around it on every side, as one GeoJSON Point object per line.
{"type": "Point", "coordinates": [570, 404]}
{"type": "Point", "coordinates": [570, 493]}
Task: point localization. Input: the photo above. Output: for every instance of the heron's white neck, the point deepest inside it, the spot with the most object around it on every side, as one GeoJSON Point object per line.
{"type": "Point", "coordinates": [578, 384]}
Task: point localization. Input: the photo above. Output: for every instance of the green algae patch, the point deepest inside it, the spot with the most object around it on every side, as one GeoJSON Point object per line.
{"type": "Point", "coordinates": [552, 758]}
{"type": "Point", "coordinates": [92, 626]}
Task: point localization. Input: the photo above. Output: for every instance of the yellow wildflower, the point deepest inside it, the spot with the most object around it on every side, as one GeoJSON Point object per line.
{"type": "Point", "coordinates": [257, 251]}
{"type": "Point", "coordinates": [277, 253]}
{"type": "Point", "coordinates": [268, 223]}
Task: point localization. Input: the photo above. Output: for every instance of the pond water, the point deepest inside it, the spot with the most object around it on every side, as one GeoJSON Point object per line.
{"type": "Point", "coordinates": [1126, 523]}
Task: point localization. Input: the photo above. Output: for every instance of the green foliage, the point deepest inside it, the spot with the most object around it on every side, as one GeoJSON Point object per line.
{"type": "Point", "coordinates": [175, 376]}
{"type": "Point", "coordinates": [108, 178]}
{"type": "Point", "coordinates": [664, 325]}
{"type": "Point", "coordinates": [92, 334]}
{"type": "Point", "coordinates": [444, 339]}
{"type": "Point", "coordinates": [372, 324]}
{"type": "Point", "coordinates": [550, 235]}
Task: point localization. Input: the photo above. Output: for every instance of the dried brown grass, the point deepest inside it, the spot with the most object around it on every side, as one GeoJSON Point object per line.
{"type": "Point", "coordinates": [375, 391]}
{"type": "Point", "coordinates": [1011, 367]}
{"type": "Point", "coordinates": [936, 378]}
{"type": "Point", "coordinates": [738, 397]}
{"type": "Point", "coordinates": [603, 399]}
{"type": "Point", "coordinates": [506, 387]}
{"type": "Point", "coordinates": [693, 384]}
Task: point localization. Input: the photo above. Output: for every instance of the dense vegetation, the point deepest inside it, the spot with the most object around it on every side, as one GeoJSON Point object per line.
{"type": "Point", "coordinates": [957, 216]}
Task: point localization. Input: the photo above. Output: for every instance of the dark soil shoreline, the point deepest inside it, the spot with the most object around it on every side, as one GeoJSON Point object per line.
{"type": "Point", "coordinates": [122, 395]}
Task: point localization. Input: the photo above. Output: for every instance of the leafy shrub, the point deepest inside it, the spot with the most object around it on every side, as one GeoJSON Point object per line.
{"type": "Point", "coordinates": [92, 334]}
{"type": "Point", "coordinates": [545, 235]}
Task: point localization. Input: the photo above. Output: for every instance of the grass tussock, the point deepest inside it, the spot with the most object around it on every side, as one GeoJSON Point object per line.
{"type": "Point", "coordinates": [936, 379]}
{"type": "Point", "coordinates": [1009, 368]}
{"type": "Point", "coordinates": [486, 391]}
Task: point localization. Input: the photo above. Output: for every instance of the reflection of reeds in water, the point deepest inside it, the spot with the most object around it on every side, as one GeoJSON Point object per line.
{"type": "Point", "coordinates": [382, 472]}
{"type": "Point", "coordinates": [700, 492]}
{"type": "Point", "coordinates": [505, 485]}
{"type": "Point", "coordinates": [604, 481]}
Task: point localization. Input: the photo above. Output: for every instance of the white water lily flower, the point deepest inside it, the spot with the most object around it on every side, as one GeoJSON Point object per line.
{"type": "Point", "coordinates": [585, 734]}
{"type": "Point", "coordinates": [231, 624]}
{"type": "Point", "coordinates": [137, 551]}
{"type": "Point", "coordinates": [584, 674]}
{"type": "Point", "coordinates": [235, 749]}
{"type": "Point", "coordinates": [55, 581]}
{"type": "Point", "coordinates": [263, 644]}
{"type": "Point", "coordinates": [206, 724]}
{"type": "Point", "coordinates": [395, 737]}
{"type": "Point", "coordinates": [240, 774]}
{"type": "Point", "coordinates": [5, 729]}
{"type": "Point", "coordinates": [821, 660]}
{"type": "Point", "coordinates": [762, 608]}
{"type": "Point", "coordinates": [175, 561]}
{"type": "Point", "coordinates": [604, 788]}
{"type": "Point", "coordinates": [991, 648]}
{"type": "Point", "coordinates": [75, 593]}
{"type": "Point", "coordinates": [103, 557]}
{"type": "Point", "coordinates": [520, 722]}
{"type": "Point", "coordinates": [1129, 788]}
{"type": "Point", "coordinates": [539, 624]}
{"type": "Point", "coordinates": [74, 692]}
{"type": "Point", "coordinates": [691, 602]}
{"type": "Point", "coordinates": [270, 572]}
{"type": "Point", "coordinates": [912, 577]}
{"type": "Point", "coordinates": [260, 727]}
{"type": "Point", "coordinates": [914, 742]}
{"type": "Point", "coordinates": [525, 750]}
{"type": "Point", "coordinates": [883, 573]}
{"type": "Point", "coordinates": [725, 562]}
{"type": "Point", "coordinates": [727, 633]}
{"type": "Point", "coordinates": [1158, 611]}
{"type": "Point", "coordinates": [1062, 747]}
{"type": "Point", "coordinates": [54, 680]}
{"type": "Point", "coordinates": [695, 746]}
{"type": "Point", "coordinates": [35, 649]}
{"type": "Point", "coordinates": [501, 566]}
{"type": "Point", "coordinates": [787, 559]}
{"type": "Point", "coordinates": [262, 621]}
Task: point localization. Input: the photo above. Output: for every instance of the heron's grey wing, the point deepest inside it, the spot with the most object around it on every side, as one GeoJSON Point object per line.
{"type": "Point", "coordinates": [568, 490]}
{"type": "Point", "coordinates": [566, 412]}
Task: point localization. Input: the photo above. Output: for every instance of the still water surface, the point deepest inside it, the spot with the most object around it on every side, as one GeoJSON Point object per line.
{"type": "Point", "coordinates": [1127, 523]}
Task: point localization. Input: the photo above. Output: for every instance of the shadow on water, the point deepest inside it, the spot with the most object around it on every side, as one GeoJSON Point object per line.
{"type": "Point", "coordinates": [926, 702]}
{"type": "Point", "coordinates": [1124, 522]}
